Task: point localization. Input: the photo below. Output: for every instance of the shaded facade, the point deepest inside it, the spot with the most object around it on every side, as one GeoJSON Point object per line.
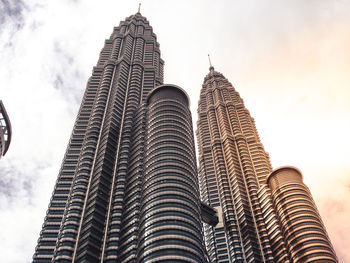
{"type": "Point", "coordinates": [127, 190]}
{"type": "Point", "coordinates": [5, 130]}
{"type": "Point", "coordinates": [170, 226]}
{"type": "Point", "coordinates": [233, 173]}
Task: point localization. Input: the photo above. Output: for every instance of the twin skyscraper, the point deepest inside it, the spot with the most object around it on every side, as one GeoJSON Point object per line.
{"type": "Point", "coordinates": [129, 191]}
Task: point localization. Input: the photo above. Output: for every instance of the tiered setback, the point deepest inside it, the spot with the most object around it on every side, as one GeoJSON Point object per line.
{"type": "Point", "coordinates": [127, 188]}
{"type": "Point", "coordinates": [233, 165]}
{"type": "Point", "coordinates": [265, 216]}
{"type": "Point", "coordinates": [87, 205]}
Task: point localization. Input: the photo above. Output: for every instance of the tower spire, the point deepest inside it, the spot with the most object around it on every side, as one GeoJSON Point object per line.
{"type": "Point", "coordinates": [211, 68]}
{"type": "Point", "coordinates": [139, 8]}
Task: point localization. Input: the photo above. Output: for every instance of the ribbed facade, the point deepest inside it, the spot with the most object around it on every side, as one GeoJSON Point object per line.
{"type": "Point", "coordinates": [273, 228]}
{"type": "Point", "coordinates": [265, 215]}
{"type": "Point", "coordinates": [170, 212]}
{"type": "Point", "coordinates": [302, 227]}
{"type": "Point", "coordinates": [233, 165]}
{"type": "Point", "coordinates": [5, 130]}
{"type": "Point", "coordinates": [116, 175]}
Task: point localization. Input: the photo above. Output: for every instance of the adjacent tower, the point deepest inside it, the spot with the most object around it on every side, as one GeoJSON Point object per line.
{"type": "Point", "coordinates": [232, 166]}
{"type": "Point", "coordinates": [257, 210]}
{"type": "Point", "coordinates": [127, 190]}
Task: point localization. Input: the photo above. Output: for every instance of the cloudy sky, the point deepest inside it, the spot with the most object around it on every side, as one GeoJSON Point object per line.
{"type": "Point", "coordinates": [290, 61]}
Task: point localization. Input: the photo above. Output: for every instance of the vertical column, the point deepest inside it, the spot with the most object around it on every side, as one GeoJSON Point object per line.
{"type": "Point", "coordinates": [77, 205]}
{"type": "Point", "coordinates": [170, 226]}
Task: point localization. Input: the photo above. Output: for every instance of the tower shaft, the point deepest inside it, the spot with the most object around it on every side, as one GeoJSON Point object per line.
{"type": "Point", "coordinates": [100, 210]}
{"type": "Point", "coordinates": [233, 165]}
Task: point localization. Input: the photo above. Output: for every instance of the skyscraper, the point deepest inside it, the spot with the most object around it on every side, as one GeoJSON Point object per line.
{"type": "Point", "coordinates": [258, 221]}
{"type": "Point", "coordinates": [127, 190]}
{"type": "Point", "coordinates": [5, 130]}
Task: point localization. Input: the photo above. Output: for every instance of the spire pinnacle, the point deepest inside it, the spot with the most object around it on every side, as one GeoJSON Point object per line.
{"type": "Point", "coordinates": [211, 66]}
{"type": "Point", "coordinates": [139, 8]}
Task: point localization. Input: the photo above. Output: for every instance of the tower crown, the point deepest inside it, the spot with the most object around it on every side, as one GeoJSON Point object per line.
{"type": "Point", "coordinates": [169, 87]}
{"type": "Point", "coordinates": [213, 74]}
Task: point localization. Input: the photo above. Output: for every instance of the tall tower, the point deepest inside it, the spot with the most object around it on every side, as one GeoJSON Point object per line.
{"type": "Point", "coordinates": [258, 220]}
{"type": "Point", "coordinates": [232, 166]}
{"type": "Point", "coordinates": [127, 189]}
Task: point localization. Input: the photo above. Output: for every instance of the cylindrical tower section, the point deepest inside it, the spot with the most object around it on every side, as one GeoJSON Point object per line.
{"type": "Point", "coordinates": [302, 227]}
{"type": "Point", "coordinates": [170, 213]}
{"type": "Point", "coordinates": [273, 229]}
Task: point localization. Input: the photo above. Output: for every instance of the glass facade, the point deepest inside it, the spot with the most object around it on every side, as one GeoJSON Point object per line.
{"type": "Point", "coordinates": [265, 215]}
{"type": "Point", "coordinates": [127, 190]}
{"type": "Point", "coordinates": [301, 224]}
{"type": "Point", "coordinates": [232, 166]}
{"type": "Point", "coordinates": [170, 212]}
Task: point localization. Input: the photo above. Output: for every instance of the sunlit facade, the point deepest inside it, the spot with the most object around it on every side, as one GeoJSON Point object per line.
{"type": "Point", "coordinates": [236, 178]}
{"type": "Point", "coordinates": [303, 230]}
{"type": "Point", "coordinates": [128, 189]}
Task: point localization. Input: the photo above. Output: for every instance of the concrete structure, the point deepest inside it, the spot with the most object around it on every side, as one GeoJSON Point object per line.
{"type": "Point", "coordinates": [127, 190]}
{"type": "Point", "coordinates": [5, 130]}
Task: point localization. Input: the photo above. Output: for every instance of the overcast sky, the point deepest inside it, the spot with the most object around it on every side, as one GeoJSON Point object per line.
{"type": "Point", "coordinates": [290, 61]}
